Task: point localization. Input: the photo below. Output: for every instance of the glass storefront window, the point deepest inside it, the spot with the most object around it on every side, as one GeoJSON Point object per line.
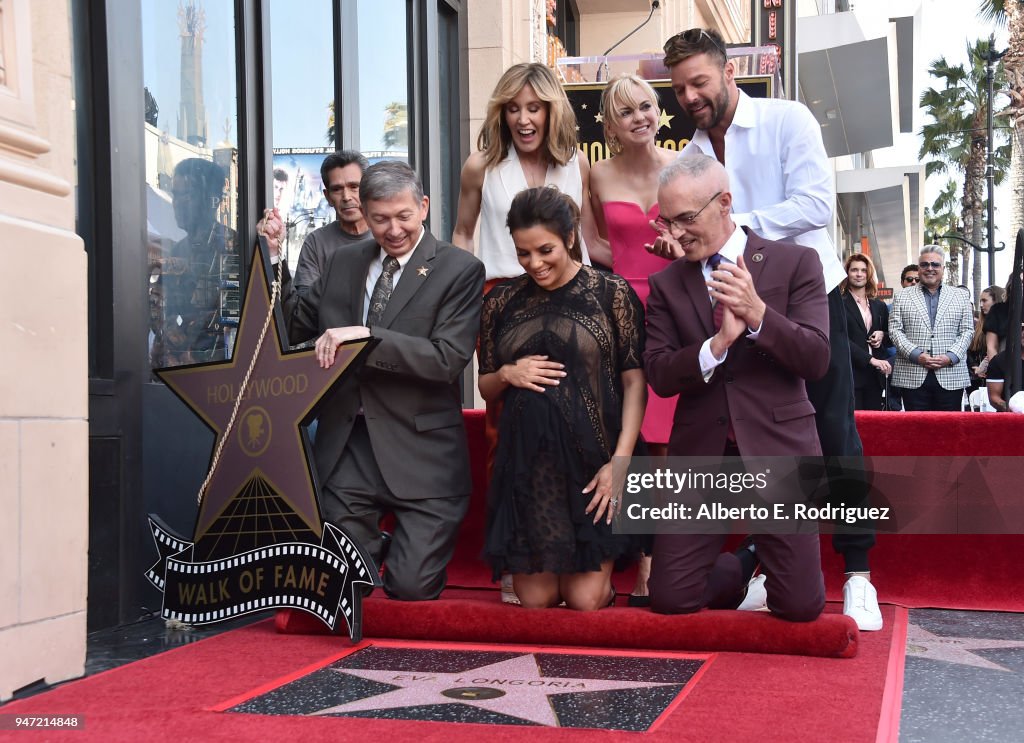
{"type": "Point", "coordinates": [191, 151]}
{"type": "Point", "coordinates": [383, 81]}
{"type": "Point", "coordinates": [303, 115]}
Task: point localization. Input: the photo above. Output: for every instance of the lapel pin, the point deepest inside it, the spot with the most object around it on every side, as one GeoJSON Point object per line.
{"type": "Point", "coordinates": [422, 271]}
{"type": "Point", "coordinates": [757, 257]}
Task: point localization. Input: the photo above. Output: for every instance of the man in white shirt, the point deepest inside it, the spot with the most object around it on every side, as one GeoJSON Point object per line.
{"type": "Point", "coordinates": [782, 189]}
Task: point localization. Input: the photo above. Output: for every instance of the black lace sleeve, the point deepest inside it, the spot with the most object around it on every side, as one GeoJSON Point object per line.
{"type": "Point", "coordinates": [490, 326]}
{"type": "Point", "coordinates": [627, 312]}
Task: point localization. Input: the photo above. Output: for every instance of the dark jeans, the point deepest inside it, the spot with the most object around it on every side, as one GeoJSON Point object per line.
{"type": "Point", "coordinates": [932, 396]}
{"type": "Point", "coordinates": [833, 399]}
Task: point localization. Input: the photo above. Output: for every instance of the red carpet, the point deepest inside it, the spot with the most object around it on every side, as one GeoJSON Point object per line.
{"type": "Point", "coordinates": [740, 697]}
{"type": "Point", "coordinates": [479, 616]}
{"type": "Point", "coordinates": [946, 571]}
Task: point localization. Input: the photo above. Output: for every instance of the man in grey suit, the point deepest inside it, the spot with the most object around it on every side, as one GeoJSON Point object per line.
{"type": "Point", "coordinates": [391, 439]}
{"type": "Point", "coordinates": [932, 326]}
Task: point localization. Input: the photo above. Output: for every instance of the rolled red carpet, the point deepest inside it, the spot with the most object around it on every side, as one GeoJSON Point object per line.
{"type": "Point", "coordinates": [475, 620]}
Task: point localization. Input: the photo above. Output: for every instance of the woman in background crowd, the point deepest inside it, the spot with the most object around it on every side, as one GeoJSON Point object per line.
{"type": "Point", "coordinates": [996, 320]}
{"type": "Point", "coordinates": [624, 194]}
{"type": "Point", "coordinates": [867, 323]}
{"type": "Point", "coordinates": [978, 354]}
{"type": "Point", "coordinates": [561, 347]}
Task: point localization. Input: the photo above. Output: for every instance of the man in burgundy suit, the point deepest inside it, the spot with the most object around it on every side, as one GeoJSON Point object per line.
{"type": "Point", "coordinates": [739, 370]}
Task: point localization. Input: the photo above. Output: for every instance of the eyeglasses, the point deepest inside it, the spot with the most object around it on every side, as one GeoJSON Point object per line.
{"type": "Point", "coordinates": [929, 264]}
{"type": "Point", "coordinates": [681, 221]}
{"type": "Point", "coordinates": [690, 37]}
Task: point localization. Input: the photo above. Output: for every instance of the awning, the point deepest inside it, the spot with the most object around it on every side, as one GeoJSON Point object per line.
{"type": "Point", "coordinates": [845, 80]}
{"type": "Point", "coordinates": [884, 204]}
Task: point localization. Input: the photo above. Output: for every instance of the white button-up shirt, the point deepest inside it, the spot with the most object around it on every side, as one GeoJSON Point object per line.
{"type": "Point", "coordinates": [779, 175]}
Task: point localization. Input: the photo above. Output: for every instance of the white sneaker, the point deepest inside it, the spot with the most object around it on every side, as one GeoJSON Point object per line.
{"type": "Point", "coordinates": [860, 602]}
{"type": "Point", "coordinates": [757, 595]}
{"type": "Point", "coordinates": [508, 593]}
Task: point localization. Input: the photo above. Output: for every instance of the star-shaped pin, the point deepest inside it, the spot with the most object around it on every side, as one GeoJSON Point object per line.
{"type": "Point", "coordinates": [599, 118]}
{"type": "Point", "coordinates": [422, 271]}
{"type": "Point", "coordinates": [512, 687]}
{"type": "Point", "coordinates": [924, 644]}
{"type": "Point", "coordinates": [665, 120]}
{"type": "Point", "coordinates": [266, 448]}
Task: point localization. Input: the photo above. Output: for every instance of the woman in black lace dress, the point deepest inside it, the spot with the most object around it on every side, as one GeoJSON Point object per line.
{"type": "Point", "coordinates": [561, 346]}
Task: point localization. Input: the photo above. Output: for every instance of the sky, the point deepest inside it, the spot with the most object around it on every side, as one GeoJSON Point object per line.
{"type": "Point", "coordinates": [301, 67]}
{"type": "Point", "coordinates": [946, 28]}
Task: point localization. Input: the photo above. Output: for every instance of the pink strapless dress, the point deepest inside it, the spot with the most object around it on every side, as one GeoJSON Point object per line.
{"type": "Point", "coordinates": [628, 231]}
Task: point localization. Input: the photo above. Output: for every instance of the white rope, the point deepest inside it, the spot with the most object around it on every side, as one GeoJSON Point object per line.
{"type": "Point", "coordinates": [275, 291]}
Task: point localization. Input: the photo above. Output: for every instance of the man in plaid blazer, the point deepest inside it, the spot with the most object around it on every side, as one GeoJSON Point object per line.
{"type": "Point", "coordinates": [932, 325]}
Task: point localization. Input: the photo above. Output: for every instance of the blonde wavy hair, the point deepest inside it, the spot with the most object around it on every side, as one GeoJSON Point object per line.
{"type": "Point", "coordinates": [560, 138]}
{"type": "Point", "coordinates": [617, 94]}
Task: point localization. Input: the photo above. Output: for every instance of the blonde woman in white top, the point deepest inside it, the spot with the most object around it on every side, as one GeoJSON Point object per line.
{"type": "Point", "coordinates": [528, 139]}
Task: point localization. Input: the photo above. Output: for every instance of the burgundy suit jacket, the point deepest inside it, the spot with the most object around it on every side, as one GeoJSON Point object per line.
{"type": "Point", "coordinates": [760, 386]}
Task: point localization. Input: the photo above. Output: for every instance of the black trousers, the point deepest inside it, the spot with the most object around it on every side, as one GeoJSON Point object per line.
{"type": "Point", "coordinates": [868, 398]}
{"type": "Point", "coordinates": [833, 400]}
{"type": "Point", "coordinates": [355, 497]}
{"type": "Point", "coordinates": [932, 396]}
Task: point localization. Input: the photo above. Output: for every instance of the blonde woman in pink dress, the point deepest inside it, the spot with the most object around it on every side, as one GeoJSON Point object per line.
{"type": "Point", "coordinates": [624, 201]}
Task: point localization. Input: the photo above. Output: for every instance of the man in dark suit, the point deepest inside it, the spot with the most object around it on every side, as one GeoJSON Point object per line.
{"type": "Point", "coordinates": [391, 439]}
{"type": "Point", "coordinates": [741, 385]}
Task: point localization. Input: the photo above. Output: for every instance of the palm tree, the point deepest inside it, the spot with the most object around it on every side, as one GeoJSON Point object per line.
{"type": "Point", "coordinates": [330, 123]}
{"type": "Point", "coordinates": [956, 138]}
{"type": "Point", "coordinates": [1010, 14]}
{"type": "Point", "coordinates": [943, 218]}
{"type": "Point", "coordinates": [396, 126]}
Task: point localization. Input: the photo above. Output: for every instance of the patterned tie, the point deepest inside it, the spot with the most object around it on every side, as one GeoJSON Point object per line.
{"type": "Point", "coordinates": [717, 313]}
{"type": "Point", "coordinates": [382, 291]}
{"type": "Point", "coordinates": [718, 309]}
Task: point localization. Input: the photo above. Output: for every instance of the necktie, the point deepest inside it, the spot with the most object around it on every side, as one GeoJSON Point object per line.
{"type": "Point", "coordinates": [382, 291]}
{"type": "Point", "coordinates": [718, 309]}
{"type": "Point", "coordinates": [717, 313]}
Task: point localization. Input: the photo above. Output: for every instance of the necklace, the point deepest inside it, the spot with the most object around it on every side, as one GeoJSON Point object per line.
{"type": "Point", "coordinates": [530, 173]}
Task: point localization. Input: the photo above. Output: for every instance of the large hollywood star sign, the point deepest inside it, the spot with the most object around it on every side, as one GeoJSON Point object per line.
{"type": "Point", "coordinates": [260, 541]}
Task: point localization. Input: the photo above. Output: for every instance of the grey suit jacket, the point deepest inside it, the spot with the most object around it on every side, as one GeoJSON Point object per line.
{"type": "Point", "coordinates": [409, 386]}
{"type": "Point", "coordinates": [910, 328]}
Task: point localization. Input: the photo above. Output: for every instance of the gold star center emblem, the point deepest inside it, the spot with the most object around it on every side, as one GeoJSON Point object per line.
{"type": "Point", "coordinates": [665, 120]}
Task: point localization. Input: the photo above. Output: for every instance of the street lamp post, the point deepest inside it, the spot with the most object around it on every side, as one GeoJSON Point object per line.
{"type": "Point", "coordinates": [991, 249]}
{"type": "Point", "coordinates": [990, 59]}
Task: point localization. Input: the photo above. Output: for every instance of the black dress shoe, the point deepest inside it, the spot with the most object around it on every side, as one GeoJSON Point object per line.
{"type": "Point", "coordinates": [639, 602]}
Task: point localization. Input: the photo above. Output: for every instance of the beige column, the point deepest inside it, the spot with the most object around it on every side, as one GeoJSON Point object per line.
{"type": "Point", "coordinates": [43, 372]}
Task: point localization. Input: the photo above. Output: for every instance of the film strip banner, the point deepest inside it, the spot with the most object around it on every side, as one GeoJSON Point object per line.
{"type": "Point", "coordinates": [327, 580]}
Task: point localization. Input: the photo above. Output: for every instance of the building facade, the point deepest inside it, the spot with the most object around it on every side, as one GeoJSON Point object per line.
{"type": "Point", "coordinates": [136, 135]}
